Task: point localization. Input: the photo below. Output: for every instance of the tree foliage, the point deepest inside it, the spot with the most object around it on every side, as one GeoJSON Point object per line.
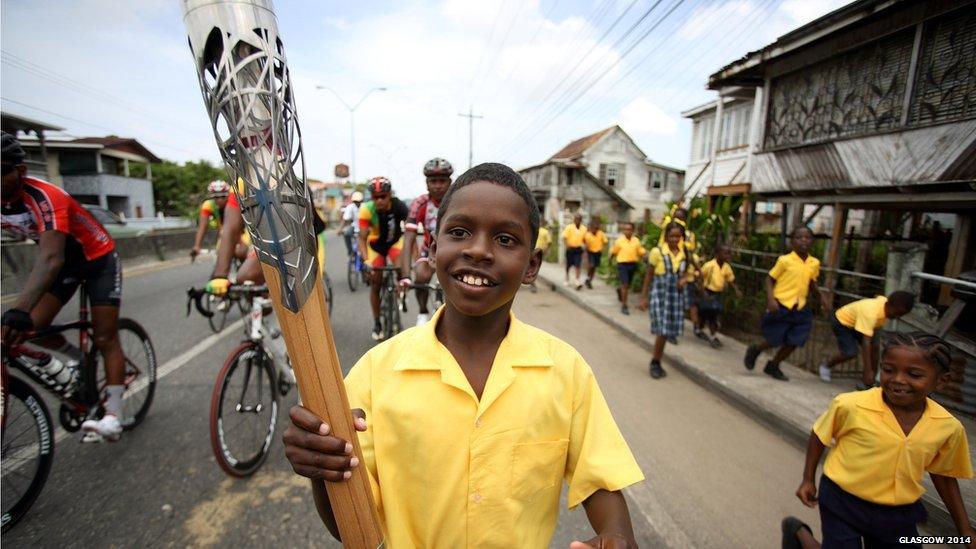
{"type": "Point", "coordinates": [179, 189]}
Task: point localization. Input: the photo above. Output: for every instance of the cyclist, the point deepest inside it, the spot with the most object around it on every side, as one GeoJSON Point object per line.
{"type": "Point", "coordinates": [212, 217]}
{"type": "Point", "coordinates": [350, 215]}
{"type": "Point", "coordinates": [381, 235]}
{"type": "Point", "coordinates": [74, 248]}
{"type": "Point", "coordinates": [423, 213]}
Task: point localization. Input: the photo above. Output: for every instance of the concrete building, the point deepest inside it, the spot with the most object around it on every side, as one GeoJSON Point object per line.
{"type": "Point", "coordinates": [604, 174]}
{"type": "Point", "coordinates": [112, 172]}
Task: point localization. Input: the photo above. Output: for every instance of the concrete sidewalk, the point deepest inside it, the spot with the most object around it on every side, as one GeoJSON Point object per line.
{"type": "Point", "coordinates": [789, 408]}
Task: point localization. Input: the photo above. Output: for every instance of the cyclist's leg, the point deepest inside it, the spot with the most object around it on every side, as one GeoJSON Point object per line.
{"type": "Point", "coordinates": [104, 284]}
{"type": "Point", "coordinates": [375, 260]}
{"type": "Point", "coordinates": [250, 270]}
{"type": "Point", "coordinates": [42, 315]}
{"type": "Point", "coordinates": [422, 275]}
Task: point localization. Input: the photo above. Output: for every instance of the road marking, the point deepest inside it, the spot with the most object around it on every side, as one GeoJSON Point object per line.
{"type": "Point", "coordinates": [210, 519]}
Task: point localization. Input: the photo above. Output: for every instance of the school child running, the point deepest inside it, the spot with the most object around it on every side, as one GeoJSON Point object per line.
{"type": "Point", "coordinates": [715, 276]}
{"type": "Point", "coordinates": [854, 325]}
{"type": "Point", "coordinates": [882, 442]}
{"type": "Point", "coordinates": [787, 321]}
{"type": "Point", "coordinates": [689, 244]}
{"type": "Point", "coordinates": [594, 240]}
{"type": "Point", "coordinates": [573, 238]}
{"type": "Point", "coordinates": [542, 243]}
{"type": "Point", "coordinates": [627, 249]}
{"type": "Point", "coordinates": [475, 418]}
{"type": "Point", "coordinates": [667, 275]}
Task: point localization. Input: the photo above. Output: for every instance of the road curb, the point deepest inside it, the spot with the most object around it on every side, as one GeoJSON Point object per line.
{"type": "Point", "coordinates": [939, 518]}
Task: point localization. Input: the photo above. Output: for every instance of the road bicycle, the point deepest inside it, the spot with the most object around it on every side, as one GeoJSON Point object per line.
{"type": "Point", "coordinates": [390, 301]}
{"type": "Point", "coordinates": [357, 272]}
{"type": "Point", "coordinates": [27, 435]}
{"type": "Point", "coordinates": [244, 401]}
{"type": "Point", "coordinates": [435, 294]}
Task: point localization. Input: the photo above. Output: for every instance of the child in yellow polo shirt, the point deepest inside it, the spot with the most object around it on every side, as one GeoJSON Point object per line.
{"type": "Point", "coordinates": [670, 271]}
{"type": "Point", "coordinates": [787, 322]}
{"type": "Point", "coordinates": [594, 241]}
{"type": "Point", "coordinates": [715, 276]}
{"type": "Point", "coordinates": [882, 441]}
{"type": "Point", "coordinates": [573, 238]}
{"type": "Point", "coordinates": [475, 419]}
{"type": "Point", "coordinates": [542, 243]}
{"type": "Point", "coordinates": [627, 249]}
{"type": "Point", "coordinates": [854, 325]}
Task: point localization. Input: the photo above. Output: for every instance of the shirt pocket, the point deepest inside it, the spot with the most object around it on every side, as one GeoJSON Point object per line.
{"type": "Point", "coordinates": [537, 467]}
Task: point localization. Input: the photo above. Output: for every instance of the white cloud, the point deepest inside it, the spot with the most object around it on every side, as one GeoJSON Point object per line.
{"type": "Point", "coordinates": [643, 116]}
{"type": "Point", "coordinates": [338, 23]}
{"type": "Point", "coordinates": [706, 17]}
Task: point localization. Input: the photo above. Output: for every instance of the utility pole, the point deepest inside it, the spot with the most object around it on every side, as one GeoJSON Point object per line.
{"type": "Point", "coordinates": [470, 116]}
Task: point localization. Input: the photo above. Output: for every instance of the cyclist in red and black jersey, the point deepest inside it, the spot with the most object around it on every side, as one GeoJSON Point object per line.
{"type": "Point", "coordinates": [74, 248]}
{"type": "Point", "coordinates": [423, 213]}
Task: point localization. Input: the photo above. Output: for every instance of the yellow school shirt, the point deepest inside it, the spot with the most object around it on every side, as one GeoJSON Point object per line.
{"type": "Point", "coordinates": [573, 235]}
{"type": "Point", "coordinates": [595, 241]}
{"type": "Point", "coordinates": [448, 470]}
{"type": "Point", "coordinates": [628, 250]}
{"type": "Point", "coordinates": [873, 459]}
{"type": "Point", "coordinates": [793, 276]}
{"type": "Point", "coordinates": [865, 315]}
{"type": "Point", "coordinates": [656, 259]}
{"type": "Point", "coordinates": [714, 277]}
{"type": "Point", "coordinates": [544, 239]}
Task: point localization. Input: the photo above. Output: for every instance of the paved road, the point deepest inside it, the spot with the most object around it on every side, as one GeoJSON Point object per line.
{"type": "Point", "coordinates": [715, 477]}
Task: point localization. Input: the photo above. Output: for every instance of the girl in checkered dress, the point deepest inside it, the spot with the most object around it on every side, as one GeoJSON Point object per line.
{"type": "Point", "coordinates": [667, 274]}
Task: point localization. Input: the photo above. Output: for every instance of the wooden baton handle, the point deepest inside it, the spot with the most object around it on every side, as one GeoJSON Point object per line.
{"type": "Point", "coordinates": [308, 336]}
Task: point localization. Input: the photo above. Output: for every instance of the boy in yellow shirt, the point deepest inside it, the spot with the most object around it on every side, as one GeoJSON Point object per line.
{"type": "Point", "coordinates": [594, 241]}
{"type": "Point", "coordinates": [882, 441]}
{"type": "Point", "coordinates": [542, 243]}
{"type": "Point", "coordinates": [715, 276]}
{"type": "Point", "coordinates": [854, 325]}
{"type": "Point", "coordinates": [573, 238]}
{"type": "Point", "coordinates": [788, 321]}
{"type": "Point", "coordinates": [476, 418]}
{"type": "Point", "coordinates": [627, 250]}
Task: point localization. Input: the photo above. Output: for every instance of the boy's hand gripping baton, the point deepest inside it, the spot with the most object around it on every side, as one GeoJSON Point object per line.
{"type": "Point", "coordinates": [240, 62]}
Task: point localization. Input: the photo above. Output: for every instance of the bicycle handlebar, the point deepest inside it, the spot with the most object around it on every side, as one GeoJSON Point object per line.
{"type": "Point", "coordinates": [195, 296]}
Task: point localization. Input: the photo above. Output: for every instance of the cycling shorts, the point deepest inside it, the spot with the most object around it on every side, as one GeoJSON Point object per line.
{"type": "Point", "coordinates": [376, 258]}
{"type": "Point", "coordinates": [102, 276]}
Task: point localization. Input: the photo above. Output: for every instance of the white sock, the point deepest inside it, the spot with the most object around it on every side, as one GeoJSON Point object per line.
{"type": "Point", "coordinates": [113, 404]}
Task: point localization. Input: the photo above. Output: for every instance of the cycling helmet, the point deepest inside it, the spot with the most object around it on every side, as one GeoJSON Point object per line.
{"type": "Point", "coordinates": [218, 188]}
{"type": "Point", "coordinates": [13, 153]}
{"type": "Point", "coordinates": [438, 166]}
{"type": "Point", "coordinates": [380, 185]}
{"type": "Point", "coordinates": [357, 196]}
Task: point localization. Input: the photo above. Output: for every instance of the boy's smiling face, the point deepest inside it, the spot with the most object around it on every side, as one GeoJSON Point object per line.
{"type": "Point", "coordinates": [908, 376]}
{"type": "Point", "coordinates": [484, 249]}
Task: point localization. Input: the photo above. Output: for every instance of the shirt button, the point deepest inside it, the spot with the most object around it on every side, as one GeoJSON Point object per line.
{"type": "Point", "coordinates": [477, 497]}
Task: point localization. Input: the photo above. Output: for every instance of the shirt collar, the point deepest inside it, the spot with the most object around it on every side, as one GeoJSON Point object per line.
{"type": "Point", "coordinates": [872, 399]}
{"type": "Point", "coordinates": [519, 348]}
{"type": "Point", "coordinates": [799, 259]}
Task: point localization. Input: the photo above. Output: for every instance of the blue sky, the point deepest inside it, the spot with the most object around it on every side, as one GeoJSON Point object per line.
{"type": "Point", "coordinates": [541, 72]}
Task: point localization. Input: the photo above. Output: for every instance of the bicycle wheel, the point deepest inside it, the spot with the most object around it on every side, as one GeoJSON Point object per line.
{"type": "Point", "coordinates": [140, 373]}
{"type": "Point", "coordinates": [352, 275]}
{"type": "Point", "coordinates": [219, 307]}
{"type": "Point", "coordinates": [243, 411]}
{"type": "Point", "coordinates": [390, 311]}
{"type": "Point", "coordinates": [27, 450]}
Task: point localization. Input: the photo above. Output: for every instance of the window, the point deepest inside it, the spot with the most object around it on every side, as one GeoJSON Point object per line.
{"type": "Point", "coordinates": [655, 180]}
{"type": "Point", "coordinates": [735, 126]}
{"type": "Point", "coordinates": [612, 175]}
{"type": "Point", "coordinates": [703, 137]}
{"type": "Point", "coordinates": [111, 165]}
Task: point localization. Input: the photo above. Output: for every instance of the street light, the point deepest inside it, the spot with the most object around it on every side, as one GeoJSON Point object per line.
{"type": "Point", "coordinates": [352, 122]}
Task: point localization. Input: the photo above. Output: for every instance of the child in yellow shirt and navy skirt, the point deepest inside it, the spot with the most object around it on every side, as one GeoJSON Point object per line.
{"type": "Point", "coordinates": [882, 442]}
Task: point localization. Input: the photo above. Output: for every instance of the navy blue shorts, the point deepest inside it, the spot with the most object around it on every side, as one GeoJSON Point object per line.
{"type": "Point", "coordinates": [574, 257]}
{"type": "Point", "coordinates": [625, 272]}
{"type": "Point", "coordinates": [846, 518]}
{"type": "Point", "coordinates": [848, 339]}
{"type": "Point", "coordinates": [594, 259]}
{"type": "Point", "coordinates": [787, 327]}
